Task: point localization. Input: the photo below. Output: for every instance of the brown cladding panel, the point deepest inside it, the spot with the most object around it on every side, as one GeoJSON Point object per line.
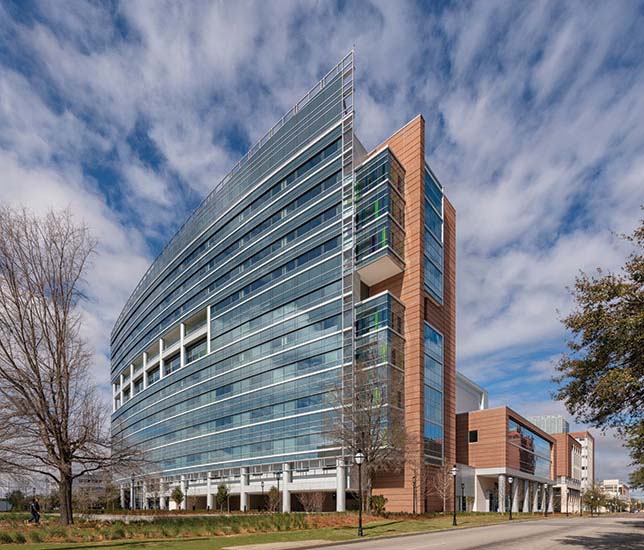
{"type": "Point", "coordinates": [408, 144]}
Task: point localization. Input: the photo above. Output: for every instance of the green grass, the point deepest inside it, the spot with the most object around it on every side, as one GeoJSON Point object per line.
{"type": "Point", "coordinates": [375, 529]}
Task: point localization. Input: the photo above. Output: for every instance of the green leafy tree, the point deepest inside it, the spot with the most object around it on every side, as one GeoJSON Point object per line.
{"type": "Point", "coordinates": [17, 499]}
{"type": "Point", "coordinates": [601, 380]}
{"type": "Point", "coordinates": [222, 496]}
{"type": "Point", "coordinates": [177, 496]}
{"type": "Point", "coordinates": [594, 498]}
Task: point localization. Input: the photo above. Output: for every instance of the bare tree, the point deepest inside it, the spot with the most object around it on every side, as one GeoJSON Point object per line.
{"type": "Point", "coordinates": [441, 481]}
{"type": "Point", "coordinates": [312, 501]}
{"type": "Point", "coordinates": [368, 417]}
{"type": "Point", "coordinates": [274, 499]}
{"type": "Point", "coordinates": [52, 421]}
{"type": "Point", "coordinates": [418, 470]}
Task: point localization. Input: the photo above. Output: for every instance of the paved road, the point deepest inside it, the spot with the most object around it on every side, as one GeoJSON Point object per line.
{"type": "Point", "coordinates": [607, 533]}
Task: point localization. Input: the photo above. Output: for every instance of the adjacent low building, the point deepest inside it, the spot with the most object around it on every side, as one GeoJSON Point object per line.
{"type": "Point", "coordinates": [551, 423]}
{"type": "Point", "coordinates": [615, 489]}
{"type": "Point", "coordinates": [567, 490]}
{"type": "Point", "coordinates": [587, 442]}
{"type": "Point", "coordinates": [504, 461]}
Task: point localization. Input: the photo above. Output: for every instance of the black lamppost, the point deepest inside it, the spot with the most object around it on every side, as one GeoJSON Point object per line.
{"type": "Point", "coordinates": [262, 484]}
{"type": "Point", "coordinates": [454, 472]}
{"type": "Point", "coordinates": [545, 500]}
{"type": "Point", "coordinates": [187, 491]}
{"type": "Point", "coordinates": [132, 496]}
{"type": "Point", "coordinates": [359, 459]}
{"type": "Point", "coordinates": [463, 498]}
{"type": "Point", "coordinates": [278, 476]}
{"type": "Point", "coordinates": [567, 503]}
{"type": "Point", "coordinates": [511, 481]}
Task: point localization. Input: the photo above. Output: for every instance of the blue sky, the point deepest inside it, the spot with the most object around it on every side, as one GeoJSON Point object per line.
{"type": "Point", "coordinates": [131, 112]}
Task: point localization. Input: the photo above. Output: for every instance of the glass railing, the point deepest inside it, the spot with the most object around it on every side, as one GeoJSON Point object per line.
{"type": "Point", "coordinates": [381, 201]}
{"type": "Point", "coordinates": [379, 239]}
{"type": "Point", "coordinates": [382, 167]}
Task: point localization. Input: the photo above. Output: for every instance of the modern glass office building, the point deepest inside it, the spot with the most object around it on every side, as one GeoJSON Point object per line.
{"type": "Point", "coordinates": [227, 356]}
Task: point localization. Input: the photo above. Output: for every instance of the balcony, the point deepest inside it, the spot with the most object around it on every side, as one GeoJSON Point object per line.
{"type": "Point", "coordinates": [380, 218]}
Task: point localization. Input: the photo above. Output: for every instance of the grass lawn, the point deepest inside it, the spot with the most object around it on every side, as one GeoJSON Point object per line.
{"type": "Point", "coordinates": [374, 529]}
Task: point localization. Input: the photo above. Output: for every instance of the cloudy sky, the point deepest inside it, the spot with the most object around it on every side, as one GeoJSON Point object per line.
{"type": "Point", "coordinates": [131, 112]}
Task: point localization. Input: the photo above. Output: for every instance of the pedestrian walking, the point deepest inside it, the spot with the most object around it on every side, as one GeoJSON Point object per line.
{"type": "Point", "coordinates": [34, 508]}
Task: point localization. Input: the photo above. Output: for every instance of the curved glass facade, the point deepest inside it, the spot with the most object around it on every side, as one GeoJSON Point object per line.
{"type": "Point", "coordinates": [230, 345]}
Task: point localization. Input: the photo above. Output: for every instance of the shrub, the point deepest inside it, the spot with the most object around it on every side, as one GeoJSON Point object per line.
{"type": "Point", "coordinates": [117, 533]}
{"type": "Point", "coordinates": [5, 538]}
{"type": "Point", "coordinates": [19, 538]}
{"type": "Point", "coordinates": [35, 536]}
{"type": "Point", "coordinates": [377, 504]}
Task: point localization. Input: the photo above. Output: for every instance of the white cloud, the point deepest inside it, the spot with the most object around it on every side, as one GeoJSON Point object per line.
{"type": "Point", "coordinates": [533, 125]}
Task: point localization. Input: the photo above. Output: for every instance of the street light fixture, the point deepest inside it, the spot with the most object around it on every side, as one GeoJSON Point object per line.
{"type": "Point", "coordinates": [511, 481]}
{"type": "Point", "coordinates": [278, 476]}
{"type": "Point", "coordinates": [132, 496]}
{"type": "Point", "coordinates": [359, 459]}
{"type": "Point", "coordinates": [454, 472]}
{"type": "Point", "coordinates": [187, 492]}
{"type": "Point", "coordinates": [545, 497]}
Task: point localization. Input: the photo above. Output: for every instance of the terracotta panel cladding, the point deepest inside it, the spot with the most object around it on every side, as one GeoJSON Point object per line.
{"type": "Point", "coordinates": [492, 450]}
{"type": "Point", "coordinates": [408, 144]}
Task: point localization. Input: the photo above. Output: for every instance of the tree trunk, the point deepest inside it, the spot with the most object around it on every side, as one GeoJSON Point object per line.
{"type": "Point", "coordinates": [65, 495]}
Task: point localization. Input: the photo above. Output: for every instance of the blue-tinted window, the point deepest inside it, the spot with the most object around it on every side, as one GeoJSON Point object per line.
{"type": "Point", "coordinates": [433, 342]}
{"type": "Point", "coordinates": [172, 364]}
{"type": "Point", "coordinates": [197, 350]}
{"type": "Point", "coordinates": [433, 279]}
{"type": "Point", "coordinates": [433, 222]}
{"type": "Point", "coordinates": [433, 192]}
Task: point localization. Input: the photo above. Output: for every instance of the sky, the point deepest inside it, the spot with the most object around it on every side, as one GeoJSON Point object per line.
{"type": "Point", "coordinates": [130, 112]}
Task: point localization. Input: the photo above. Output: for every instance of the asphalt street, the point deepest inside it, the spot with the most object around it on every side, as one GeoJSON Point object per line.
{"type": "Point", "coordinates": [605, 533]}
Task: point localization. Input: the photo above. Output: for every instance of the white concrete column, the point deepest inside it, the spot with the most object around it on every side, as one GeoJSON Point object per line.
{"type": "Point", "coordinates": [131, 380]}
{"type": "Point", "coordinates": [535, 502]}
{"type": "Point", "coordinates": [243, 489]}
{"type": "Point", "coordinates": [162, 500]}
{"type": "Point", "coordinates": [182, 337]}
{"type": "Point", "coordinates": [340, 486]}
{"type": "Point", "coordinates": [515, 495]}
{"type": "Point", "coordinates": [184, 490]}
{"type": "Point", "coordinates": [210, 496]}
{"type": "Point", "coordinates": [160, 358]}
{"type": "Point", "coordinates": [208, 329]}
{"type": "Point", "coordinates": [132, 501]}
{"type": "Point", "coordinates": [286, 487]}
{"type": "Point", "coordinates": [551, 496]}
{"type": "Point", "coordinates": [122, 495]}
{"type": "Point", "coordinates": [144, 495]}
{"type": "Point", "coordinates": [145, 366]}
{"type": "Point", "coordinates": [502, 493]}
{"type": "Point", "coordinates": [526, 496]}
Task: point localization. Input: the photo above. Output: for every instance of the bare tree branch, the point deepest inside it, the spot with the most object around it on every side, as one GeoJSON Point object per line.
{"type": "Point", "coordinates": [51, 420]}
